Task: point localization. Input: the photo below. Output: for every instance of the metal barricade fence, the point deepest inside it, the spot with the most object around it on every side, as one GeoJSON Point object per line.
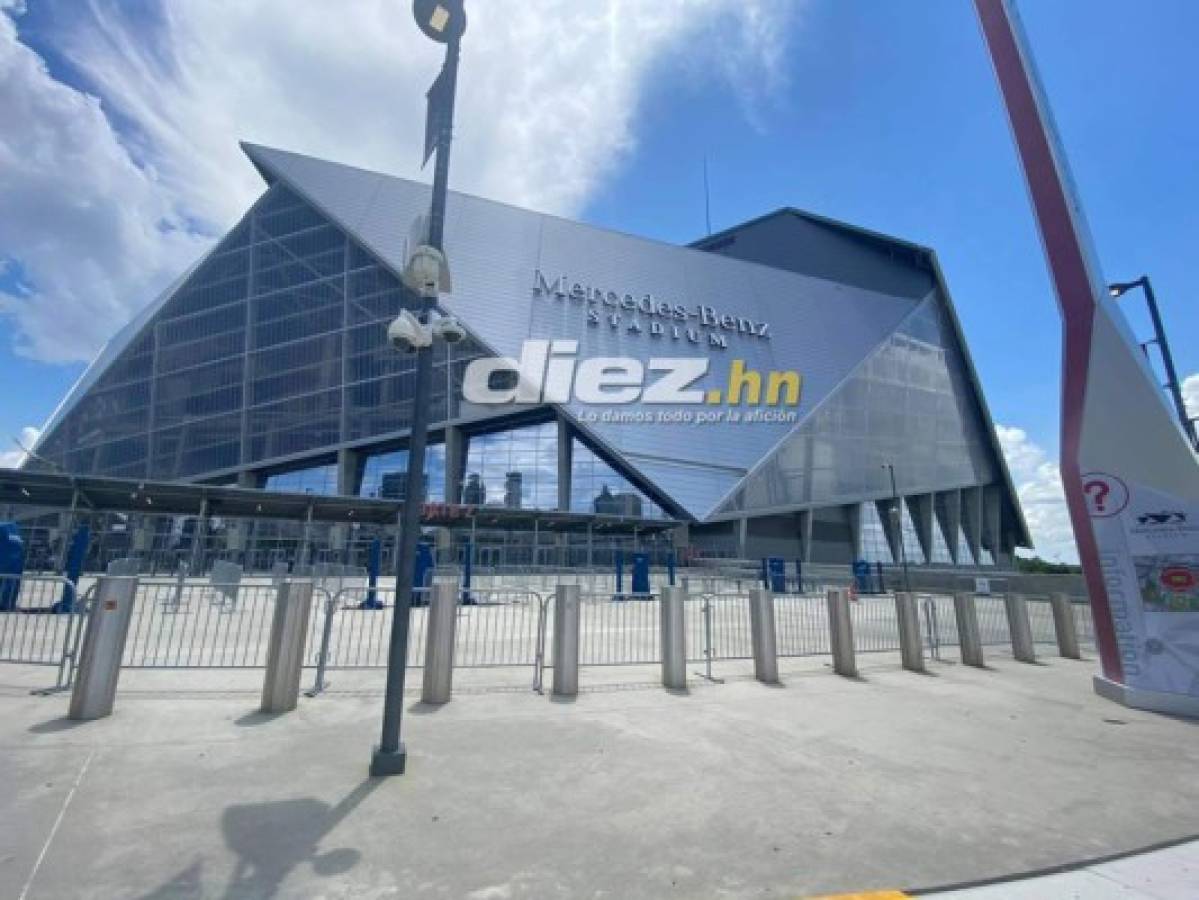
{"type": "Point", "coordinates": [992, 621]}
{"type": "Point", "coordinates": [717, 627]}
{"type": "Point", "coordinates": [353, 630]}
{"type": "Point", "coordinates": [1040, 618]}
{"type": "Point", "coordinates": [875, 625]}
{"type": "Point", "coordinates": [39, 618]}
{"type": "Point", "coordinates": [180, 623]}
{"type": "Point", "coordinates": [499, 627]}
{"type": "Point", "coordinates": [176, 624]}
{"type": "Point", "coordinates": [495, 628]}
{"type": "Point", "coordinates": [993, 624]}
{"type": "Point", "coordinates": [623, 631]}
{"type": "Point", "coordinates": [801, 625]}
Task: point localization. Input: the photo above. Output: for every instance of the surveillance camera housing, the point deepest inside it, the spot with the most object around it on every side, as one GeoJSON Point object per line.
{"type": "Point", "coordinates": [426, 272]}
{"type": "Point", "coordinates": [407, 334]}
{"type": "Point", "coordinates": [449, 329]}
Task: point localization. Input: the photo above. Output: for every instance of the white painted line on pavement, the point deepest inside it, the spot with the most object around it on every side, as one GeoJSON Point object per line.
{"type": "Point", "coordinates": [54, 828]}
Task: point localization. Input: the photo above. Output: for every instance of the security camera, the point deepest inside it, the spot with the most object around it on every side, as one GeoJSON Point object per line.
{"type": "Point", "coordinates": [426, 272]}
{"type": "Point", "coordinates": [449, 329]}
{"type": "Point", "coordinates": [406, 333]}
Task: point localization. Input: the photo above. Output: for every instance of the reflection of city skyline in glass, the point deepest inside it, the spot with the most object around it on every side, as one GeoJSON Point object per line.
{"type": "Point", "coordinates": [474, 492]}
{"type": "Point", "coordinates": [625, 503]}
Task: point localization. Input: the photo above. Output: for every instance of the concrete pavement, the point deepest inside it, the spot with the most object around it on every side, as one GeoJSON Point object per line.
{"type": "Point", "coordinates": [823, 785]}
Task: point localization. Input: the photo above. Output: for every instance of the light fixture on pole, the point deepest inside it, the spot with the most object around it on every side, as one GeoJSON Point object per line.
{"type": "Point", "coordinates": [426, 276]}
{"type": "Point", "coordinates": [1121, 288]}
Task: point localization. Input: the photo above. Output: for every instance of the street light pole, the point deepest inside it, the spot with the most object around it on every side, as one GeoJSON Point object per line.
{"type": "Point", "coordinates": [897, 521]}
{"type": "Point", "coordinates": [390, 756]}
{"type": "Point", "coordinates": [1163, 346]}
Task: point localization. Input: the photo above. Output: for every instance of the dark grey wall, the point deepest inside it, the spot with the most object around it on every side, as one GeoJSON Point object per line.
{"type": "Point", "coordinates": [773, 536]}
{"type": "Point", "coordinates": [832, 537]}
{"type": "Point", "coordinates": [787, 240]}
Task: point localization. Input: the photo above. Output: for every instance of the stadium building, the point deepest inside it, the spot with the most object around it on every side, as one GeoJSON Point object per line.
{"type": "Point", "coordinates": [267, 365]}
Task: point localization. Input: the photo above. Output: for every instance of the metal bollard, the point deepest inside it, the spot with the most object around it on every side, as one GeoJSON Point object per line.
{"type": "Point", "coordinates": [908, 618]}
{"type": "Point", "coordinates": [99, 670]}
{"type": "Point", "coordinates": [840, 628]}
{"type": "Point", "coordinates": [439, 643]}
{"type": "Point", "coordinates": [1019, 628]}
{"type": "Point", "coordinates": [1064, 626]}
{"type": "Point", "coordinates": [969, 638]}
{"type": "Point", "coordinates": [674, 639]}
{"type": "Point", "coordinates": [285, 653]}
{"type": "Point", "coordinates": [566, 640]}
{"type": "Point", "coordinates": [762, 630]}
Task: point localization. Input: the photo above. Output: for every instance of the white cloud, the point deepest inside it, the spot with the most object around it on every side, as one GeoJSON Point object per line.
{"type": "Point", "coordinates": [10, 459]}
{"type": "Point", "coordinates": [103, 198]}
{"type": "Point", "coordinates": [1039, 484]}
{"type": "Point", "coordinates": [1190, 394]}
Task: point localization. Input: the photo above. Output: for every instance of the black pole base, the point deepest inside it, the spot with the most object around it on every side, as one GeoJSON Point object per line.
{"type": "Point", "coordinates": [384, 763]}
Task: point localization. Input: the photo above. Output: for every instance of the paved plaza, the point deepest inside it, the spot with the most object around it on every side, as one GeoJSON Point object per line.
{"type": "Point", "coordinates": [889, 781]}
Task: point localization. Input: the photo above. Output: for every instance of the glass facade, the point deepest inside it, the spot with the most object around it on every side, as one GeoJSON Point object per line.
{"type": "Point", "coordinates": [317, 480]}
{"type": "Point", "coordinates": [912, 548]}
{"type": "Point", "coordinates": [875, 547]}
{"type": "Point", "coordinates": [909, 404]}
{"type": "Point", "coordinates": [940, 551]}
{"type": "Point", "coordinates": [596, 487]}
{"type": "Point", "coordinates": [274, 347]}
{"type": "Point", "coordinates": [385, 474]}
{"type": "Point", "coordinates": [516, 468]}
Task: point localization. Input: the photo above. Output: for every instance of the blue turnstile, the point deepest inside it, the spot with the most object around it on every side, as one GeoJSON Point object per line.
{"type": "Point", "coordinates": [12, 565]}
{"type": "Point", "coordinates": [422, 574]}
{"type": "Point", "coordinates": [641, 574]}
{"type": "Point", "coordinates": [776, 574]}
{"type": "Point", "coordinates": [861, 576]}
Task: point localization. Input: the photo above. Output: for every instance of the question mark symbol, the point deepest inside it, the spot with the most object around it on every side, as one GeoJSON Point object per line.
{"type": "Point", "coordinates": [1099, 490]}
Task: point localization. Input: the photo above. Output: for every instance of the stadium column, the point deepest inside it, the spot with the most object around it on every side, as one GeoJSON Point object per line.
{"type": "Point", "coordinates": [349, 472]}
{"type": "Point", "coordinates": [992, 515]}
{"type": "Point", "coordinates": [743, 538]}
{"type": "Point", "coordinates": [248, 479]}
{"type": "Point", "coordinates": [565, 464]}
{"type": "Point", "coordinates": [455, 463]}
{"type": "Point", "coordinates": [921, 507]}
{"type": "Point", "coordinates": [245, 528]}
{"type": "Point", "coordinates": [805, 535]}
{"type": "Point", "coordinates": [972, 520]}
{"type": "Point", "coordinates": [349, 481]}
{"type": "Point", "coordinates": [853, 515]}
{"type": "Point", "coordinates": [948, 505]}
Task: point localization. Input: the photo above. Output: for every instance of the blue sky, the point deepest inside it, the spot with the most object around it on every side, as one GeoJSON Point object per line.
{"type": "Point", "coordinates": [883, 114]}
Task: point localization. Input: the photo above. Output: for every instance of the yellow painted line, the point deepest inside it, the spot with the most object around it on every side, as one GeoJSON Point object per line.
{"type": "Point", "coordinates": [868, 895]}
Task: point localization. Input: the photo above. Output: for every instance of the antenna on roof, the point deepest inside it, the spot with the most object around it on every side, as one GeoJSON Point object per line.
{"type": "Point", "coordinates": [707, 198]}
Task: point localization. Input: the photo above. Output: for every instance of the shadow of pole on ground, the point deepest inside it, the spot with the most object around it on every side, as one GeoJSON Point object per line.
{"type": "Point", "coordinates": [271, 840]}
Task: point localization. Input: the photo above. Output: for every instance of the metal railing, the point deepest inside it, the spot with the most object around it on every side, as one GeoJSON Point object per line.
{"type": "Point", "coordinates": [495, 627]}
{"type": "Point", "coordinates": [801, 625]}
{"type": "Point", "coordinates": [180, 625]}
{"type": "Point", "coordinates": [192, 623]}
{"type": "Point", "coordinates": [39, 619]}
{"type": "Point", "coordinates": [619, 631]}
